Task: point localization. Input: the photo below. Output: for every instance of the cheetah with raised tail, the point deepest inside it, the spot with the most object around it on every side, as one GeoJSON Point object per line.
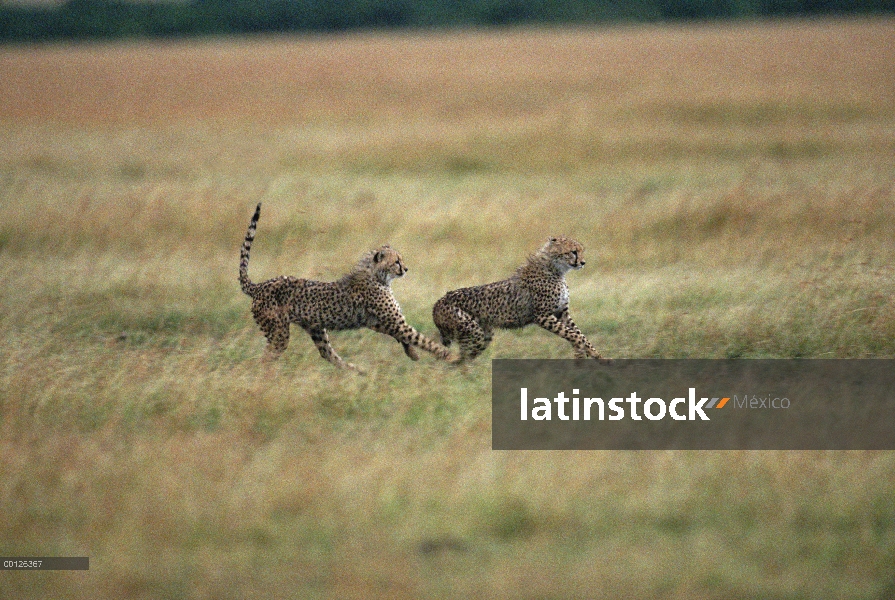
{"type": "Point", "coordinates": [536, 293]}
{"type": "Point", "coordinates": [362, 298]}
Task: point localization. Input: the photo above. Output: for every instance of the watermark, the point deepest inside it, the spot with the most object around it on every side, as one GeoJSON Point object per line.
{"type": "Point", "coordinates": [44, 563]}
{"type": "Point", "coordinates": [694, 404]}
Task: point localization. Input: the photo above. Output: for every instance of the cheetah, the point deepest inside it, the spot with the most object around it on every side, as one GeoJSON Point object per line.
{"type": "Point", "coordinates": [362, 298]}
{"type": "Point", "coordinates": [536, 293]}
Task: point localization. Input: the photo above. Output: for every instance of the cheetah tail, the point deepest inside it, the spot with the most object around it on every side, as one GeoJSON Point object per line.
{"type": "Point", "coordinates": [244, 280]}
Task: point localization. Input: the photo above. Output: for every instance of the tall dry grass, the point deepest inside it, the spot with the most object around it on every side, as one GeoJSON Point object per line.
{"type": "Point", "coordinates": [734, 187]}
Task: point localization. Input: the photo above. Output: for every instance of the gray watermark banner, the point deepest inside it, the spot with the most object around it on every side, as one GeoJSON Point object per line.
{"type": "Point", "coordinates": [693, 404]}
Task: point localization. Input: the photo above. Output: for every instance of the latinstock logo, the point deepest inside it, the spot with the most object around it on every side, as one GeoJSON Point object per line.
{"type": "Point", "coordinates": [614, 409]}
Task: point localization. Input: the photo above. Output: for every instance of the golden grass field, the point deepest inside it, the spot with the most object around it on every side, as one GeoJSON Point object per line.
{"type": "Point", "coordinates": [734, 186]}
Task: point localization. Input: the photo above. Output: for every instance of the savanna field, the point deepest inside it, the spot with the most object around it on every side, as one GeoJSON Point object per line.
{"type": "Point", "coordinates": [734, 188]}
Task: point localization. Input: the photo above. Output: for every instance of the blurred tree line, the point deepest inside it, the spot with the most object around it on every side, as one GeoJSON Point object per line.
{"type": "Point", "coordinates": [109, 19]}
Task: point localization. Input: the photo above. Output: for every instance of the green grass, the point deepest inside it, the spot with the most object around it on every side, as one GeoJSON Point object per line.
{"type": "Point", "coordinates": [139, 427]}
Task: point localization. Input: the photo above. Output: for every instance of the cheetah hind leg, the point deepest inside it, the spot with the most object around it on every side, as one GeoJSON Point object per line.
{"type": "Point", "coordinates": [473, 339]}
{"type": "Point", "coordinates": [277, 333]}
{"type": "Point", "coordinates": [445, 337]}
{"type": "Point", "coordinates": [321, 340]}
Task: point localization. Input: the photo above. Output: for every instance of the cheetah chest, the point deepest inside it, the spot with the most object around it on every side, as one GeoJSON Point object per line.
{"type": "Point", "coordinates": [563, 300]}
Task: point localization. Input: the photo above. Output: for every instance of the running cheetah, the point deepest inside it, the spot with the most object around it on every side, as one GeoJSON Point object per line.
{"type": "Point", "coordinates": [536, 293]}
{"type": "Point", "coordinates": [362, 298]}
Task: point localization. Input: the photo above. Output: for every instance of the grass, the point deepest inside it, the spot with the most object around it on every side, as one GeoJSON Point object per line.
{"type": "Point", "coordinates": [732, 186]}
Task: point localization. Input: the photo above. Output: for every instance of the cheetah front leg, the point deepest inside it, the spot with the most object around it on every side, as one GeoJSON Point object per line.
{"type": "Point", "coordinates": [321, 340]}
{"type": "Point", "coordinates": [566, 328]}
{"type": "Point", "coordinates": [409, 350]}
{"type": "Point", "coordinates": [411, 339]}
{"type": "Point", "coordinates": [589, 350]}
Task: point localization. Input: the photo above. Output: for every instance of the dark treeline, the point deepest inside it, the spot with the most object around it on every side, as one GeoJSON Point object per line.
{"type": "Point", "coordinates": [104, 19]}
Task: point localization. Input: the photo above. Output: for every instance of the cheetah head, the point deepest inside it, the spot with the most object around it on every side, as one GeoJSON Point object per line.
{"type": "Point", "coordinates": [385, 263]}
{"type": "Point", "coordinates": [565, 253]}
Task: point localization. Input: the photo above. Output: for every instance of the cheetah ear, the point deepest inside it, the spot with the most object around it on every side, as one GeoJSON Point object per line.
{"type": "Point", "coordinates": [377, 257]}
{"type": "Point", "coordinates": [552, 239]}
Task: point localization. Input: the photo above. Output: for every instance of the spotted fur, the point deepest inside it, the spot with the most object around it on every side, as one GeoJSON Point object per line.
{"type": "Point", "coordinates": [536, 294]}
{"type": "Point", "coordinates": [362, 298]}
